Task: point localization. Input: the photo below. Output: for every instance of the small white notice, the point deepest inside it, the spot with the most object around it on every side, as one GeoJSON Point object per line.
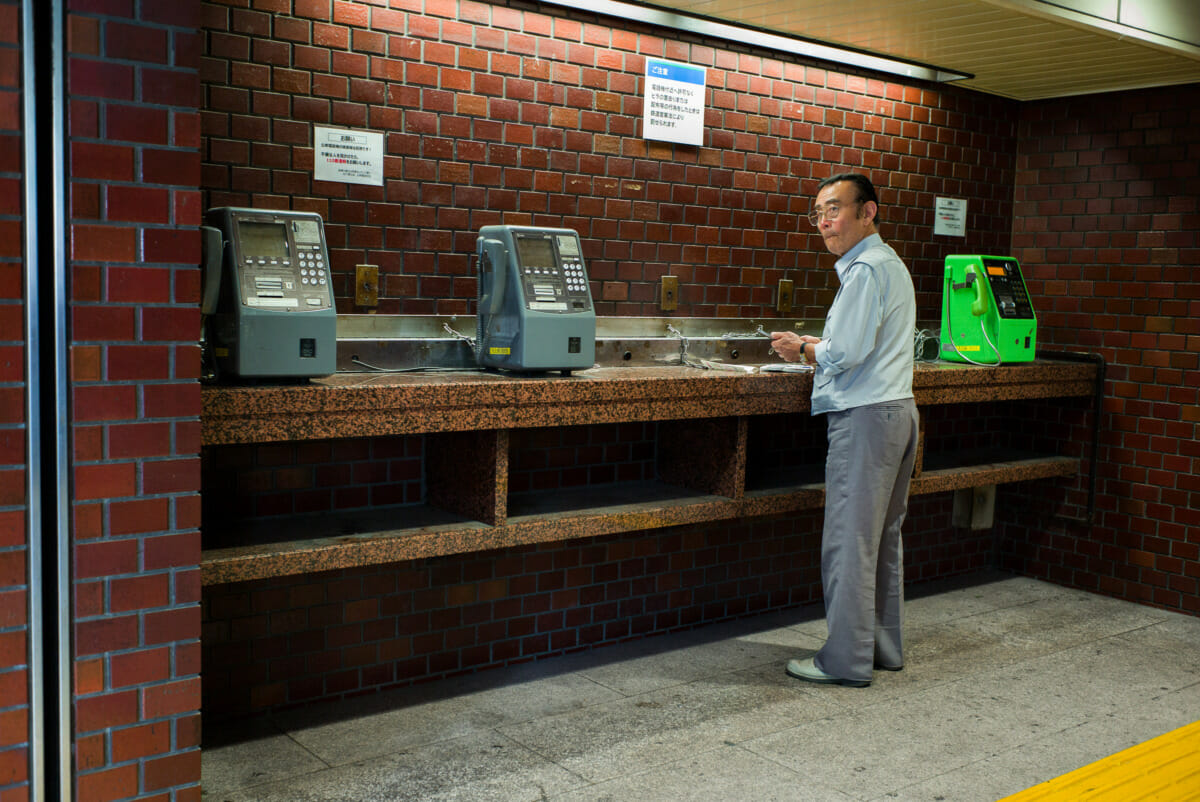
{"type": "Point", "coordinates": [950, 217]}
{"type": "Point", "coordinates": [673, 108]}
{"type": "Point", "coordinates": [351, 157]}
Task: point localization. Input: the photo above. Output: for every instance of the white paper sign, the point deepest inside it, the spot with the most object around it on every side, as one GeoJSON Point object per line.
{"type": "Point", "coordinates": [673, 109]}
{"type": "Point", "coordinates": [352, 157]}
{"type": "Point", "coordinates": [950, 217]}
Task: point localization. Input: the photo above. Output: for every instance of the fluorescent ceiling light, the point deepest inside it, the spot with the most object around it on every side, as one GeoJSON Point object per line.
{"type": "Point", "coordinates": [760, 38]}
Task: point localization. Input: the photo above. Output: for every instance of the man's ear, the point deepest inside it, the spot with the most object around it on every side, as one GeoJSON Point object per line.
{"type": "Point", "coordinates": [871, 209]}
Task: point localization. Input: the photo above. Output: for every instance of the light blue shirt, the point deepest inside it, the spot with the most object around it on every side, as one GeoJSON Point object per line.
{"type": "Point", "coordinates": [866, 351]}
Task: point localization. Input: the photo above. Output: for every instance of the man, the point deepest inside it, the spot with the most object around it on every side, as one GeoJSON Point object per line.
{"type": "Point", "coordinates": [863, 381]}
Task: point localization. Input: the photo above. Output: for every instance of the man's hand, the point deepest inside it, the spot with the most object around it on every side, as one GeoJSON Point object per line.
{"type": "Point", "coordinates": [788, 345]}
{"type": "Point", "coordinates": [792, 346]}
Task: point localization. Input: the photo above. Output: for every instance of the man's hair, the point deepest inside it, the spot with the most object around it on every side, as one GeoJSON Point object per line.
{"type": "Point", "coordinates": [866, 190]}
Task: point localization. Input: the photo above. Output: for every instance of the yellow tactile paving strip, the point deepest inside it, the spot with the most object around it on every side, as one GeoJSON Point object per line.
{"type": "Point", "coordinates": [1164, 769]}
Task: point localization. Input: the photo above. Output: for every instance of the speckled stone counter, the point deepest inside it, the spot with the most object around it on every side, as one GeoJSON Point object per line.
{"type": "Point", "coordinates": [702, 454]}
{"type": "Point", "coordinates": [363, 404]}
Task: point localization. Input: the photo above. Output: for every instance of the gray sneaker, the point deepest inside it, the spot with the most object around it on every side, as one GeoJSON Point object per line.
{"type": "Point", "coordinates": [807, 670]}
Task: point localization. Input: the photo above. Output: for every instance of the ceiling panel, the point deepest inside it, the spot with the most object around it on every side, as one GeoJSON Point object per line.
{"type": "Point", "coordinates": [1022, 49]}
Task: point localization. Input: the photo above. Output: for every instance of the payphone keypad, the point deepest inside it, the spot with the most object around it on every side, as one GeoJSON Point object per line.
{"type": "Point", "coordinates": [1012, 299]}
{"type": "Point", "coordinates": [312, 267]}
{"type": "Point", "coordinates": [576, 277]}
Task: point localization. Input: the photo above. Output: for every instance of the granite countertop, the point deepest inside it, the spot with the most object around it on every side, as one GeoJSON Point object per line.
{"type": "Point", "coordinates": [367, 404]}
{"type": "Point", "coordinates": [359, 404]}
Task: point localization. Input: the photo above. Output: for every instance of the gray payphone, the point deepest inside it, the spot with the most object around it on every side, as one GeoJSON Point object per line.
{"type": "Point", "coordinates": [268, 304]}
{"type": "Point", "coordinates": [535, 307]}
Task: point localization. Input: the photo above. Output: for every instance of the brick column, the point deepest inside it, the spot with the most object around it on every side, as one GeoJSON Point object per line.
{"type": "Point", "coordinates": [134, 204]}
{"type": "Point", "coordinates": [15, 733]}
{"type": "Point", "coordinates": [1107, 228]}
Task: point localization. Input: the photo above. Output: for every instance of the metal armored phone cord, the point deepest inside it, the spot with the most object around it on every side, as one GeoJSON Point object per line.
{"type": "Point", "coordinates": [477, 343]}
{"type": "Point", "coordinates": [495, 296]}
{"type": "Point", "coordinates": [470, 341]}
{"type": "Point", "coordinates": [922, 337]}
{"type": "Point", "coordinates": [946, 310]}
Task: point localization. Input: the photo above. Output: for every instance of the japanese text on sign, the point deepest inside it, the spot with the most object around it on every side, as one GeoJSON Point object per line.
{"type": "Point", "coordinates": [673, 109]}
{"type": "Point", "coordinates": [950, 217]}
{"type": "Point", "coordinates": [352, 157]}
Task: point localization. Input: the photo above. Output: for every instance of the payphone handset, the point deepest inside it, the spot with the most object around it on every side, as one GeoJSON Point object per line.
{"type": "Point", "coordinates": [987, 317]}
{"type": "Point", "coordinates": [267, 301]}
{"type": "Point", "coordinates": [535, 309]}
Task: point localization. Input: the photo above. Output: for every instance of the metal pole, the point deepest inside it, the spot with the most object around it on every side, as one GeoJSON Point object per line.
{"type": "Point", "coordinates": [47, 419]}
{"type": "Point", "coordinates": [33, 408]}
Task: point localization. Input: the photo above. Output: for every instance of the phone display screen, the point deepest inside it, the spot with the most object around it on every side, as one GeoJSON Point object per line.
{"type": "Point", "coordinates": [263, 239]}
{"type": "Point", "coordinates": [535, 252]}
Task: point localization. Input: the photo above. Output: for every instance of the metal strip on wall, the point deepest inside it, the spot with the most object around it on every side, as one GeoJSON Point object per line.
{"type": "Point", "coordinates": [33, 410]}
{"type": "Point", "coordinates": [47, 422]}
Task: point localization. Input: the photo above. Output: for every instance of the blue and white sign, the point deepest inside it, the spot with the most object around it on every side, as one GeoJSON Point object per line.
{"type": "Point", "coordinates": [673, 109]}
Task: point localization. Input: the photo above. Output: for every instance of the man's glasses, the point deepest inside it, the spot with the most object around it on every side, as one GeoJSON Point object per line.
{"type": "Point", "coordinates": [829, 212]}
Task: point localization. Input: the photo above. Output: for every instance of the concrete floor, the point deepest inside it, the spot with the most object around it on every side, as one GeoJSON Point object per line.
{"type": "Point", "coordinates": [1009, 682]}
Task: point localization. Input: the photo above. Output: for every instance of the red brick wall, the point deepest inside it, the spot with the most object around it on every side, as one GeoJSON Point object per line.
{"type": "Point", "coordinates": [1107, 227]}
{"type": "Point", "coordinates": [134, 204]}
{"type": "Point", "coordinates": [283, 642]}
{"type": "Point", "coordinates": [494, 114]}
{"type": "Point", "coordinates": [15, 734]}
{"type": "Point", "coordinates": [280, 479]}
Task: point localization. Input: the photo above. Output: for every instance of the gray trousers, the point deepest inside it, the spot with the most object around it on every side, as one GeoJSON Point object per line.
{"type": "Point", "coordinates": [867, 475]}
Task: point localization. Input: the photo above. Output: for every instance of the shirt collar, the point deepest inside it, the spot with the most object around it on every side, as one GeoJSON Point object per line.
{"type": "Point", "coordinates": [850, 256]}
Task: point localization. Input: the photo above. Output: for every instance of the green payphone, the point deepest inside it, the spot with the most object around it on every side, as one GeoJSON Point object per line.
{"type": "Point", "coordinates": [987, 318]}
